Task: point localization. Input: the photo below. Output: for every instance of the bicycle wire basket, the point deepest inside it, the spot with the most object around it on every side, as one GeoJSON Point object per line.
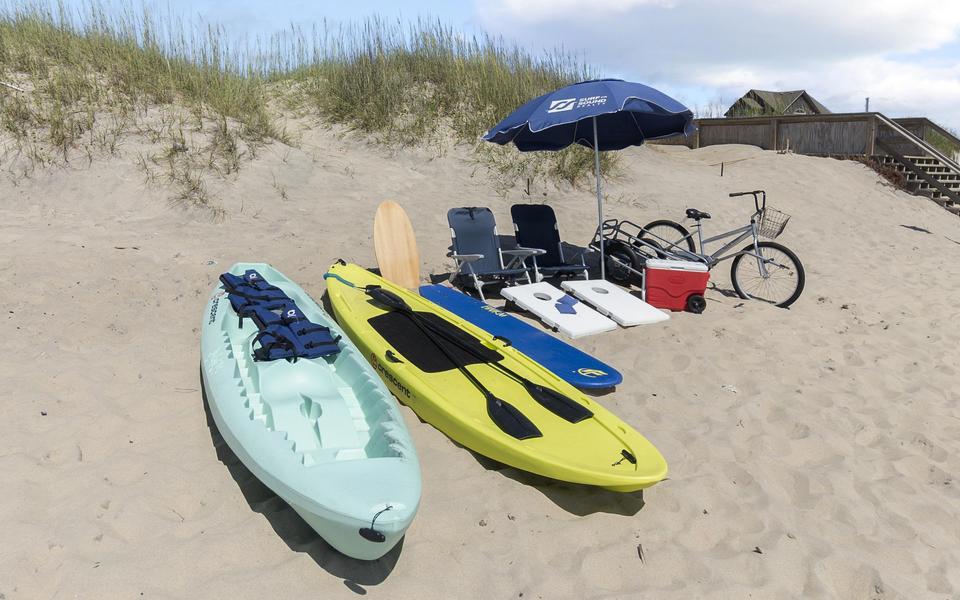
{"type": "Point", "coordinates": [772, 223]}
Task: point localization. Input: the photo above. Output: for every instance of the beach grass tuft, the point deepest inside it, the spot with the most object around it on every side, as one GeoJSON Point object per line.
{"type": "Point", "coordinates": [91, 74]}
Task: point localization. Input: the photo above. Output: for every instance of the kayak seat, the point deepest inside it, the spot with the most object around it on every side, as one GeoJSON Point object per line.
{"type": "Point", "coordinates": [351, 454]}
{"type": "Point", "coordinates": [335, 424]}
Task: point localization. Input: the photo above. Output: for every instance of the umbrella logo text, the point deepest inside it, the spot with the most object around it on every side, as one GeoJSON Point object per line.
{"type": "Point", "coordinates": [592, 101]}
{"type": "Point", "coordinates": [561, 105]}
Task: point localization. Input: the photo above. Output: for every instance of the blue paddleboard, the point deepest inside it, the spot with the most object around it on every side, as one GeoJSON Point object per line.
{"type": "Point", "coordinates": [574, 366]}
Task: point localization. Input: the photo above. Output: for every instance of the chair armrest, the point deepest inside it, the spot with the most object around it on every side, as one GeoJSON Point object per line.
{"type": "Point", "coordinates": [524, 252]}
{"type": "Point", "coordinates": [520, 256]}
{"type": "Point", "coordinates": [464, 258]}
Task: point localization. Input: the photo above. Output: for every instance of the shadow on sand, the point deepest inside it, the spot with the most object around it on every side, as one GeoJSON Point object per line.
{"type": "Point", "coordinates": [580, 500]}
{"type": "Point", "coordinates": [725, 292]}
{"type": "Point", "coordinates": [292, 529]}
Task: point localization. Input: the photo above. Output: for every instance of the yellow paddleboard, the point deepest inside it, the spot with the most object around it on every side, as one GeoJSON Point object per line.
{"type": "Point", "coordinates": [396, 246]}
{"type": "Point", "coordinates": [600, 450]}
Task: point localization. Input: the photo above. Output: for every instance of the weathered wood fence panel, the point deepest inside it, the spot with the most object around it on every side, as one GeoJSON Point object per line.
{"type": "Point", "coordinates": [834, 134]}
{"type": "Point", "coordinates": [754, 134]}
{"type": "Point", "coordinates": [818, 137]}
{"type": "Point", "coordinates": [837, 134]}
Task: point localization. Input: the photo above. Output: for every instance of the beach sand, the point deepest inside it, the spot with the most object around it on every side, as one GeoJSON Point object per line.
{"type": "Point", "coordinates": [812, 451]}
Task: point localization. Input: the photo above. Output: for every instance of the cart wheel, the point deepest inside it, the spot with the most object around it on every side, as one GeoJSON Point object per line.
{"type": "Point", "coordinates": [620, 259]}
{"type": "Point", "coordinates": [696, 303]}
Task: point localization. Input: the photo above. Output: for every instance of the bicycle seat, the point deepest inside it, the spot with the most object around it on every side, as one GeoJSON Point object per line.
{"type": "Point", "coordinates": [696, 215]}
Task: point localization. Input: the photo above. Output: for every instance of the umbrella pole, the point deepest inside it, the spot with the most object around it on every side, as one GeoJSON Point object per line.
{"type": "Point", "coordinates": [596, 160]}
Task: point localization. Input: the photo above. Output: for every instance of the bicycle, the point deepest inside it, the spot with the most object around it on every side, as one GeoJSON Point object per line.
{"type": "Point", "coordinates": [778, 277]}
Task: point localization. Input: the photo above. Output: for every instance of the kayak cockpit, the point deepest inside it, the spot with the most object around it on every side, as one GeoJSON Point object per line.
{"type": "Point", "coordinates": [329, 408]}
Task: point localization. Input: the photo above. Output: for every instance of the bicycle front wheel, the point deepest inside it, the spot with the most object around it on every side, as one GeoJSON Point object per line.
{"type": "Point", "coordinates": [777, 277]}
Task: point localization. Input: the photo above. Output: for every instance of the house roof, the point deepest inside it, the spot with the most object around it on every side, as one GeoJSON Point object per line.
{"type": "Point", "coordinates": [775, 102]}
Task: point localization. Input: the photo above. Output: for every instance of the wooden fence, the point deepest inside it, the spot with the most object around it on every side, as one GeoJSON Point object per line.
{"type": "Point", "coordinates": [838, 134]}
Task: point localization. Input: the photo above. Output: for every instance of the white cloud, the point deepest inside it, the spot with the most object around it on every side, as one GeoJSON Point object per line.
{"type": "Point", "coordinates": [533, 11]}
{"type": "Point", "coordinates": [904, 55]}
{"type": "Point", "coordinates": [897, 87]}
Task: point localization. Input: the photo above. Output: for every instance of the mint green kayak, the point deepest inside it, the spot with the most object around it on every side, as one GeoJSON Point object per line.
{"type": "Point", "coordinates": [322, 432]}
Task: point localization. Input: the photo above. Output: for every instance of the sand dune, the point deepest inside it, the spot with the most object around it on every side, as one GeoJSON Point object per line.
{"type": "Point", "coordinates": [812, 451]}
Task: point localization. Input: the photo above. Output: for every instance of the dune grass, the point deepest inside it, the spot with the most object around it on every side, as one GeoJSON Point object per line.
{"type": "Point", "coordinates": [407, 80]}
{"type": "Point", "coordinates": [93, 75]}
{"type": "Point", "coordinates": [423, 82]}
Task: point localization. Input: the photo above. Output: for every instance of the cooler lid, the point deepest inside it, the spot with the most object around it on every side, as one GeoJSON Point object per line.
{"type": "Point", "coordinates": [675, 265]}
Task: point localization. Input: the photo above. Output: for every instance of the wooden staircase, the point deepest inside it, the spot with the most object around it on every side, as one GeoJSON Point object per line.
{"type": "Point", "coordinates": [912, 145]}
{"type": "Point", "coordinates": [927, 170]}
{"type": "Point", "coordinates": [917, 184]}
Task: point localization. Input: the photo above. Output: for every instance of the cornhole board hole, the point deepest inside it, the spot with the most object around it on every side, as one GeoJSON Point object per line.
{"type": "Point", "coordinates": [615, 302]}
{"type": "Point", "coordinates": [542, 299]}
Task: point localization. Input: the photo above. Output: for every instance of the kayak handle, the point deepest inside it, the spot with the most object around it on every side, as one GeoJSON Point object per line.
{"type": "Point", "coordinates": [371, 534]}
{"type": "Point", "coordinates": [386, 298]}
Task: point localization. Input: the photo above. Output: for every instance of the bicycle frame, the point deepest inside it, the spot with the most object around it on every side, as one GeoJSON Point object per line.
{"type": "Point", "coordinates": [739, 235]}
{"type": "Point", "coordinates": [614, 230]}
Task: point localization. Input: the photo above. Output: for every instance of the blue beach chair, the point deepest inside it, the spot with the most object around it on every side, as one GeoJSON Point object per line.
{"type": "Point", "coordinates": [477, 252]}
{"type": "Point", "coordinates": [536, 227]}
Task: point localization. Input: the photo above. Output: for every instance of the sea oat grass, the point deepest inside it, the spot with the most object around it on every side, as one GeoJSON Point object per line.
{"type": "Point", "coordinates": [400, 83]}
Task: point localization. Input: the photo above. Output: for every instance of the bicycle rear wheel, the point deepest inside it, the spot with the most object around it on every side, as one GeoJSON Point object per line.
{"type": "Point", "coordinates": [784, 279]}
{"type": "Point", "coordinates": [664, 238]}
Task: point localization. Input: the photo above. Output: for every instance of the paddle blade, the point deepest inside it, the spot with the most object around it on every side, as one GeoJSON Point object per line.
{"type": "Point", "coordinates": [510, 420]}
{"type": "Point", "coordinates": [564, 407]}
{"type": "Point", "coordinates": [386, 298]}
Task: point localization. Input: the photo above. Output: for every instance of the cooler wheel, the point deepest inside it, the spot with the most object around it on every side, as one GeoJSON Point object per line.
{"type": "Point", "coordinates": [696, 303]}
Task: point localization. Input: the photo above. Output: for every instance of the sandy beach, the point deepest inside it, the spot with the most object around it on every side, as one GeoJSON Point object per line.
{"type": "Point", "coordinates": [812, 451]}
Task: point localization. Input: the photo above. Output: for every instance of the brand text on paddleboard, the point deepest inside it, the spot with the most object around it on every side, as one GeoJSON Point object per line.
{"type": "Point", "coordinates": [375, 362]}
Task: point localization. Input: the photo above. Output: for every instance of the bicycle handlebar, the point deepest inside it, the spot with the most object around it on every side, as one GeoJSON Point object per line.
{"type": "Point", "coordinates": [756, 198]}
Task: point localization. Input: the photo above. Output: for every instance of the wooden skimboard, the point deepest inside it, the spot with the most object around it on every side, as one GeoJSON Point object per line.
{"type": "Point", "coordinates": [396, 246]}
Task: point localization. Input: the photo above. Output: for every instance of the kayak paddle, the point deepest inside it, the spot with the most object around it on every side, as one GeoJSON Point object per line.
{"type": "Point", "coordinates": [506, 416]}
{"type": "Point", "coordinates": [560, 405]}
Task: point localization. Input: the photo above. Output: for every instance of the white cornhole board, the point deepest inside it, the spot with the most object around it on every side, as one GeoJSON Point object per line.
{"type": "Point", "coordinates": [615, 302]}
{"type": "Point", "coordinates": [541, 299]}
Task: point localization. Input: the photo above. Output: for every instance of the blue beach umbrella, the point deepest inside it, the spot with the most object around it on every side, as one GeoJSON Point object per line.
{"type": "Point", "coordinates": [604, 114]}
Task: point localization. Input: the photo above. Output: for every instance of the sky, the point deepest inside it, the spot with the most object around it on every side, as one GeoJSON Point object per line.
{"type": "Point", "coordinates": [904, 55]}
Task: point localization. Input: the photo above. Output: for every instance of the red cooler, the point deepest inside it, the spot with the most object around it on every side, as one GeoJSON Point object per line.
{"type": "Point", "coordinates": [675, 284]}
